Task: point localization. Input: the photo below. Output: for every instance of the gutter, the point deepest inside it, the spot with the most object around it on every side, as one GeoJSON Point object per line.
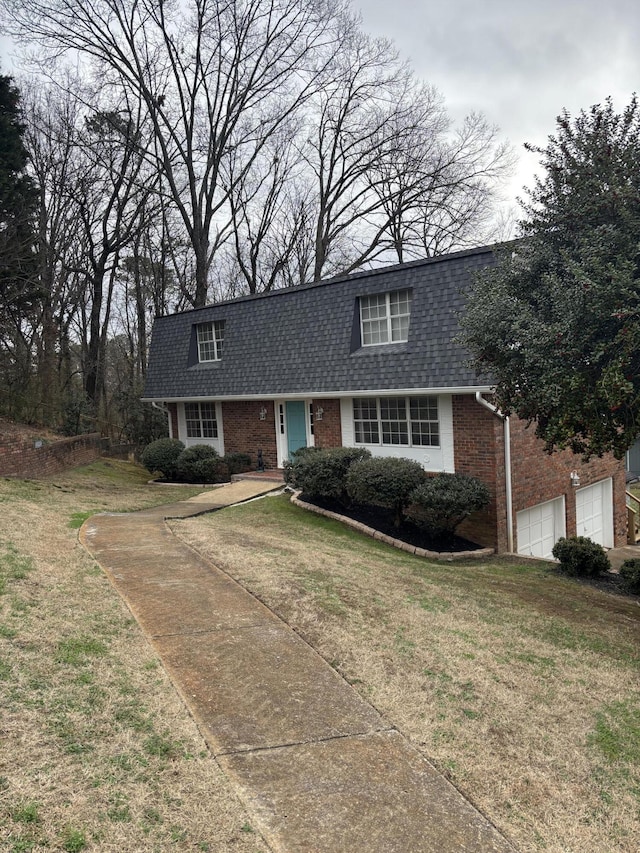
{"type": "Point", "coordinates": [326, 395]}
{"type": "Point", "coordinates": [507, 464]}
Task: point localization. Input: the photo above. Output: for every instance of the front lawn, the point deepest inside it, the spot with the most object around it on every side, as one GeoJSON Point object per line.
{"type": "Point", "coordinates": [97, 752]}
{"type": "Point", "coordinates": [518, 684]}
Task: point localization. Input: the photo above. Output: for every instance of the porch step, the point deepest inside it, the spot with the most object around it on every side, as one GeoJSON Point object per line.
{"type": "Point", "coordinates": [275, 475]}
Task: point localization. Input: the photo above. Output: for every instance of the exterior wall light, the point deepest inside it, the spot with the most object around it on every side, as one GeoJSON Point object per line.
{"type": "Point", "coordinates": [575, 479]}
{"type": "Point", "coordinates": [263, 414]}
{"type": "Point", "coordinates": [319, 413]}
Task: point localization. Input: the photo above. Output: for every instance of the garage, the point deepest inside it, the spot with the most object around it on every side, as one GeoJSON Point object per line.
{"type": "Point", "coordinates": [539, 527]}
{"type": "Point", "coordinates": [594, 512]}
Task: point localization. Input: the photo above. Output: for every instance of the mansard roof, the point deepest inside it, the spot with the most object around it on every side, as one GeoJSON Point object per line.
{"type": "Point", "coordinates": [306, 340]}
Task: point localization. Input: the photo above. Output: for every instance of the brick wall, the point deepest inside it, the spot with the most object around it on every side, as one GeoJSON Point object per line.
{"type": "Point", "coordinates": [478, 448]}
{"type": "Point", "coordinates": [20, 458]}
{"type": "Point", "coordinates": [173, 419]}
{"type": "Point", "coordinates": [538, 477]}
{"type": "Point", "coordinates": [328, 431]}
{"type": "Point", "coordinates": [244, 432]}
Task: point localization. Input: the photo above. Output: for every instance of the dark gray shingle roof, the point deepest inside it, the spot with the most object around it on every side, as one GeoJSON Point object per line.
{"type": "Point", "coordinates": [299, 341]}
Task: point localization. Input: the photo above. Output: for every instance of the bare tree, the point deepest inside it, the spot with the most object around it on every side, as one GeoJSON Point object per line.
{"type": "Point", "coordinates": [213, 77]}
{"type": "Point", "coordinates": [265, 204]}
{"type": "Point", "coordinates": [446, 188]}
{"type": "Point", "coordinates": [359, 121]}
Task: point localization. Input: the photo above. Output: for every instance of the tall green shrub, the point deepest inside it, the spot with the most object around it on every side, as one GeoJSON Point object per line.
{"type": "Point", "coordinates": [630, 574]}
{"type": "Point", "coordinates": [441, 503]}
{"type": "Point", "coordinates": [323, 473]}
{"type": "Point", "coordinates": [200, 463]}
{"type": "Point", "coordinates": [237, 463]}
{"type": "Point", "coordinates": [162, 455]}
{"type": "Point", "coordinates": [385, 481]}
{"type": "Point", "coordinates": [580, 556]}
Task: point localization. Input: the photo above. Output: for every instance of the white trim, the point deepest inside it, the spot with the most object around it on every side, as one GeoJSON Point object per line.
{"type": "Point", "coordinates": [330, 395]}
{"type": "Point", "coordinates": [218, 342]}
{"type": "Point", "coordinates": [434, 459]}
{"type": "Point", "coordinates": [217, 443]}
{"type": "Point", "coordinates": [387, 317]}
{"type": "Point", "coordinates": [282, 442]}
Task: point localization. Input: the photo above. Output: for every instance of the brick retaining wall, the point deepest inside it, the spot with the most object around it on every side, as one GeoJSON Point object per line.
{"type": "Point", "coordinates": [33, 459]}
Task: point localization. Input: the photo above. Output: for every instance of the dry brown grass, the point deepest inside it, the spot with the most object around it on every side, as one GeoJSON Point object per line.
{"type": "Point", "coordinates": [521, 686]}
{"type": "Point", "coordinates": [97, 752]}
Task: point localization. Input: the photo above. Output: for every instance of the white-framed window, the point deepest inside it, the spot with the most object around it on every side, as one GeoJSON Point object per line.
{"type": "Point", "coordinates": [384, 318]}
{"type": "Point", "coordinates": [404, 421]}
{"type": "Point", "coordinates": [201, 420]}
{"type": "Point", "coordinates": [210, 340]}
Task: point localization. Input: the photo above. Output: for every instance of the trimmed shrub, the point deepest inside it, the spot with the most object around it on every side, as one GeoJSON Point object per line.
{"type": "Point", "coordinates": [162, 455]}
{"type": "Point", "coordinates": [323, 473]}
{"type": "Point", "coordinates": [200, 463]}
{"type": "Point", "coordinates": [385, 481]}
{"type": "Point", "coordinates": [630, 574]}
{"type": "Point", "coordinates": [237, 463]}
{"type": "Point", "coordinates": [581, 557]}
{"type": "Point", "coordinates": [441, 503]}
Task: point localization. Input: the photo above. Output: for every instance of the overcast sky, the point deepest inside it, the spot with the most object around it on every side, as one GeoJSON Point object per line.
{"type": "Point", "coordinates": [517, 61]}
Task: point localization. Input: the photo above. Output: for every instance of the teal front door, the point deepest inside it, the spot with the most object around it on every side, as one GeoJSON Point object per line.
{"type": "Point", "coordinates": [296, 426]}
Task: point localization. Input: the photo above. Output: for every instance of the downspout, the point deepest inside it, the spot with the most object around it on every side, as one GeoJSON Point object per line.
{"type": "Point", "coordinates": [507, 464]}
{"type": "Point", "coordinates": [162, 407]}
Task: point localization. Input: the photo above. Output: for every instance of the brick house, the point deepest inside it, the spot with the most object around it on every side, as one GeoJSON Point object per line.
{"type": "Point", "coordinates": [372, 360]}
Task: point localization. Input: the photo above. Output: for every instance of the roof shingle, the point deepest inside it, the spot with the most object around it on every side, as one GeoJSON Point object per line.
{"type": "Point", "coordinates": [299, 340]}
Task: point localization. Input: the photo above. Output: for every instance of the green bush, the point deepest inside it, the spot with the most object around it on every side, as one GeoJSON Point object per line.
{"type": "Point", "coordinates": [385, 481]}
{"type": "Point", "coordinates": [581, 557]}
{"type": "Point", "coordinates": [441, 503]}
{"type": "Point", "coordinates": [630, 574]}
{"type": "Point", "coordinates": [323, 473]}
{"type": "Point", "coordinates": [237, 463]}
{"type": "Point", "coordinates": [200, 463]}
{"type": "Point", "coordinates": [162, 455]}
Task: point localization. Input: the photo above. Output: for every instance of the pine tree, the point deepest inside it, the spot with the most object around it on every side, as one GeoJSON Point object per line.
{"type": "Point", "coordinates": [18, 201]}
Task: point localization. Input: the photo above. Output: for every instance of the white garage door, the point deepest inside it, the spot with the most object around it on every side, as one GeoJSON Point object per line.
{"type": "Point", "coordinates": [540, 527]}
{"type": "Point", "coordinates": [594, 512]}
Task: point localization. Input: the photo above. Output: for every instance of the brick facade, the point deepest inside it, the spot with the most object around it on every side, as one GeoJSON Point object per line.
{"type": "Point", "coordinates": [173, 419]}
{"type": "Point", "coordinates": [478, 447]}
{"type": "Point", "coordinates": [539, 476]}
{"type": "Point", "coordinates": [536, 476]}
{"type": "Point", "coordinates": [20, 458]}
{"type": "Point", "coordinates": [479, 450]}
{"type": "Point", "coordinates": [244, 432]}
{"type": "Point", "coordinates": [328, 431]}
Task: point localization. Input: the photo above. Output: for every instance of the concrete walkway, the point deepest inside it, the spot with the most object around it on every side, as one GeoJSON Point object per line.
{"type": "Point", "coordinates": [318, 769]}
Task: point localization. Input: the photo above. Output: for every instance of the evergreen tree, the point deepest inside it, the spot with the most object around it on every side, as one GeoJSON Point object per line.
{"type": "Point", "coordinates": [18, 202]}
{"type": "Point", "coordinates": [557, 322]}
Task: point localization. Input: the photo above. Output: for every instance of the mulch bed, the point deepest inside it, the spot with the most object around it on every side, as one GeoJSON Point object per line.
{"type": "Point", "coordinates": [610, 582]}
{"type": "Point", "coordinates": [380, 519]}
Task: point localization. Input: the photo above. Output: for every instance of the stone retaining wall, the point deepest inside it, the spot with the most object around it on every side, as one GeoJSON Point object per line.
{"type": "Point", "coordinates": [389, 540]}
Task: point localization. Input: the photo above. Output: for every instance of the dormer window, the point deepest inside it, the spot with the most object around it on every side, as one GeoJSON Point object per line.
{"type": "Point", "coordinates": [384, 318]}
{"type": "Point", "coordinates": [210, 340]}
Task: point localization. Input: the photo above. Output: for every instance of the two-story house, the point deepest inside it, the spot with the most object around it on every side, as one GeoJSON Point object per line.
{"type": "Point", "coordinates": [372, 360]}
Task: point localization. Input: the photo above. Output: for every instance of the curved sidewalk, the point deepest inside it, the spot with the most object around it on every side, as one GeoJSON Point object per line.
{"type": "Point", "coordinates": [318, 769]}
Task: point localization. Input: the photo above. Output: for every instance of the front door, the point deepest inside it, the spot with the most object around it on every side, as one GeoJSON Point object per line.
{"type": "Point", "coordinates": [296, 426]}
